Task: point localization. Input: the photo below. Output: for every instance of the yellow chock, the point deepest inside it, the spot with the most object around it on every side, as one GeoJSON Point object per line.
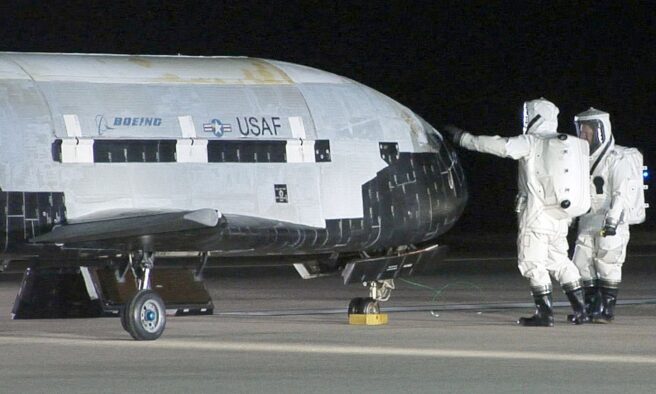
{"type": "Point", "coordinates": [368, 319]}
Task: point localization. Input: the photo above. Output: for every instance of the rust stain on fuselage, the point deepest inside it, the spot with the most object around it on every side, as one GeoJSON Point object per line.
{"type": "Point", "coordinates": [415, 127]}
{"type": "Point", "coordinates": [174, 78]}
{"type": "Point", "coordinates": [240, 72]}
{"type": "Point", "coordinates": [265, 73]}
{"type": "Point", "coordinates": [141, 61]}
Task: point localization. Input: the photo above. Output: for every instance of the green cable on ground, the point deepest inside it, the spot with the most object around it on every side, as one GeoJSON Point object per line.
{"type": "Point", "coordinates": [438, 292]}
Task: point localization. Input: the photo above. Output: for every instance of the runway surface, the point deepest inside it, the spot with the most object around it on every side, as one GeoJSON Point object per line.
{"type": "Point", "coordinates": [274, 332]}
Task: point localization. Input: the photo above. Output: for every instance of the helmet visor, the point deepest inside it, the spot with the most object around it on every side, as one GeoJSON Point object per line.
{"type": "Point", "coordinates": [591, 131]}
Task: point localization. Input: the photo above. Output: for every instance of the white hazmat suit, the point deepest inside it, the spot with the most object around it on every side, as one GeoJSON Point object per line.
{"type": "Point", "coordinates": [603, 234]}
{"type": "Point", "coordinates": [542, 239]}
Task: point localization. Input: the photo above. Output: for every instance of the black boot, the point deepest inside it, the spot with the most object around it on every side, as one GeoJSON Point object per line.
{"type": "Point", "coordinates": [592, 298]}
{"type": "Point", "coordinates": [608, 300]}
{"type": "Point", "coordinates": [543, 316]}
{"type": "Point", "coordinates": [576, 299]}
{"type": "Point", "coordinates": [592, 301]}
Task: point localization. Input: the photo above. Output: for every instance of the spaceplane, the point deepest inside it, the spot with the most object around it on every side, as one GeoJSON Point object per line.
{"type": "Point", "coordinates": [124, 177]}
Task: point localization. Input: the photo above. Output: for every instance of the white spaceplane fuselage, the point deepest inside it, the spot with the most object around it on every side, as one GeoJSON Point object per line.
{"type": "Point", "coordinates": [112, 155]}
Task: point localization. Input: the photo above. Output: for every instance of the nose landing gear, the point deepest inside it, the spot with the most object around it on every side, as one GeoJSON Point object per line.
{"type": "Point", "coordinates": [366, 311]}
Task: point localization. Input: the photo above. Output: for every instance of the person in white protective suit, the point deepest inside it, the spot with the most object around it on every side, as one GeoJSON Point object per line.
{"type": "Point", "coordinates": [542, 239]}
{"type": "Point", "coordinates": [603, 235]}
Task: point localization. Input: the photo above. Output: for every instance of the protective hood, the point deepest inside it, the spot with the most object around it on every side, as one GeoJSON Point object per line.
{"type": "Point", "coordinates": [540, 117]}
{"type": "Point", "coordinates": [597, 123]}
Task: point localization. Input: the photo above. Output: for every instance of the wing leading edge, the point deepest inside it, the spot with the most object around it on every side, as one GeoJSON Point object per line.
{"type": "Point", "coordinates": [135, 224]}
{"type": "Point", "coordinates": [199, 230]}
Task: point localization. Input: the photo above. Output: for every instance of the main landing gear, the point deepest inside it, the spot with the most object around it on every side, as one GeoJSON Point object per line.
{"type": "Point", "coordinates": [367, 310]}
{"type": "Point", "coordinates": [144, 316]}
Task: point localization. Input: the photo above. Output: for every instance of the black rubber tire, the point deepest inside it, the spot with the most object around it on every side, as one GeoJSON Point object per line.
{"type": "Point", "coordinates": [370, 306]}
{"type": "Point", "coordinates": [145, 316]}
{"type": "Point", "coordinates": [123, 316]}
{"type": "Point", "coordinates": [355, 306]}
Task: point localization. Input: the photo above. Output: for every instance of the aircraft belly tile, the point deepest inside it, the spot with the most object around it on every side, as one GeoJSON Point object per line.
{"type": "Point", "coordinates": [28, 214]}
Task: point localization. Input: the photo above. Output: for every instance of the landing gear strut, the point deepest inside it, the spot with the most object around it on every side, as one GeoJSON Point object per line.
{"type": "Point", "coordinates": [379, 291]}
{"type": "Point", "coordinates": [144, 316]}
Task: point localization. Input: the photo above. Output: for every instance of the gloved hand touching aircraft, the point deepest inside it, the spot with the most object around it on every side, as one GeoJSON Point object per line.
{"type": "Point", "coordinates": [454, 133]}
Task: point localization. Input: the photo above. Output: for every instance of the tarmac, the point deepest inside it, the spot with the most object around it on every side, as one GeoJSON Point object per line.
{"type": "Point", "coordinates": [274, 332]}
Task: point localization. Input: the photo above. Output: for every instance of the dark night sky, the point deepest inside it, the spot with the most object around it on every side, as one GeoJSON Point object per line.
{"type": "Point", "coordinates": [459, 62]}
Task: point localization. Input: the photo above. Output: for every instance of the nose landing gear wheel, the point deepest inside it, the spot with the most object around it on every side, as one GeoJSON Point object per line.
{"type": "Point", "coordinates": [355, 306]}
{"type": "Point", "coordinates": [145, 316]}
{"type": "Point", "coordinates": [359, 306]}
{"type": "Point", "coordinates": [370, 306]}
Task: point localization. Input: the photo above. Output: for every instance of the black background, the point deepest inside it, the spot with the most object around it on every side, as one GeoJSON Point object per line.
{"type": "Point", "coordinates": [468, 63]}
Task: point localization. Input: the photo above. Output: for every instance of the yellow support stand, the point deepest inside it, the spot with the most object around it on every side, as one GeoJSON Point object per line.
{"type": "Point", "coordinates": [368, 319]}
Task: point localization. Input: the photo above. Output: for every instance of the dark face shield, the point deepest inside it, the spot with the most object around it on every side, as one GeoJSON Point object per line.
{"type": "Point", "coordinates": [591, 131]}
